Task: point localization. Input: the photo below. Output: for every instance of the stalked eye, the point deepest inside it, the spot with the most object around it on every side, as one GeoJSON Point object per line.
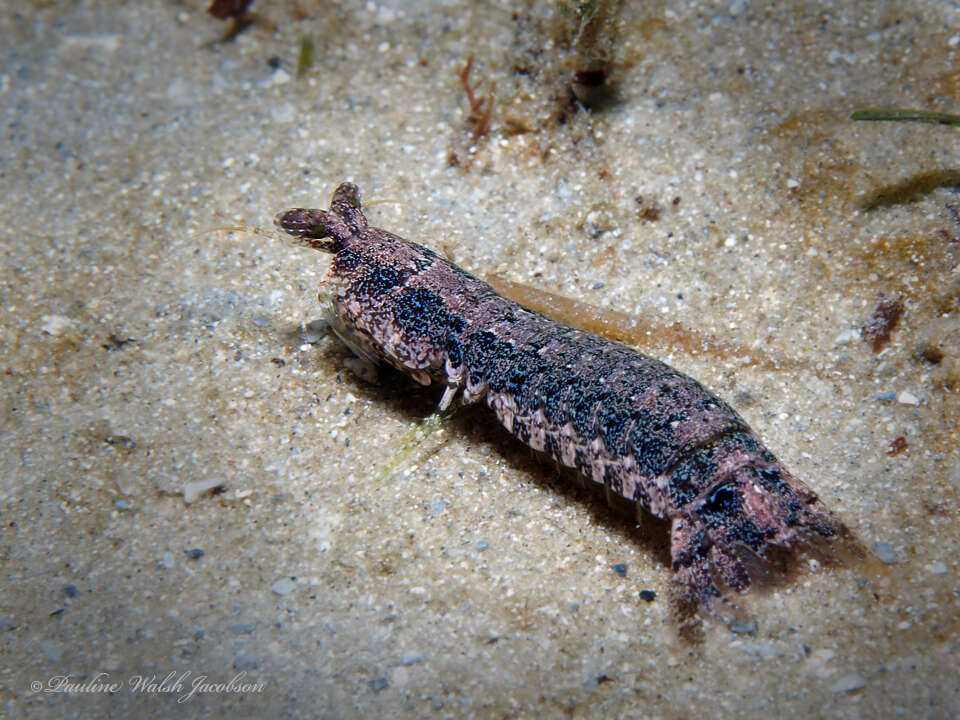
{"type": "Point", "coordinates": [312, 227]}
{"type": "Point", "coordinates": [302, 222]}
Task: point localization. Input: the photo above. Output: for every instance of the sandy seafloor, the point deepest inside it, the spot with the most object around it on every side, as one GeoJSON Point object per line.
{"type": "Point", "coordinates": [153, 338]}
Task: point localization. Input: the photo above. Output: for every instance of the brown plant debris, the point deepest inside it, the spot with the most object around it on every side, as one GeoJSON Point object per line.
{"type": "Point", "coordinates": [481, 108]}
{"type": "Point", "coordinates": [882, 321]}
{"type": "Point", "coordinates": [897, 446]}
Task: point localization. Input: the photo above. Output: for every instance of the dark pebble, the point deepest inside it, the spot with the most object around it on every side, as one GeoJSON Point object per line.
{"type": "Point", "coordinates": [123, 441]}
{"type": "Point", "coordinates": [379, 684]}
{"type": "Point", "coordinates": [194, 553]}
{"type": "Point", "coordinates": [647, 595]}
{"type": "Point", "coordinates": [241, 629]}
{"type": "Point", "coordinates": [597, 680]}
{"type": "Point", "coordinates": [620, 569]}
{"type": "Point", "coordinates": [70, 591]}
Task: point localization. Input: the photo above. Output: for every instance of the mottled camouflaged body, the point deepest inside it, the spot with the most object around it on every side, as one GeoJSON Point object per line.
{"type": "Point", "coordinates": [645, 431]}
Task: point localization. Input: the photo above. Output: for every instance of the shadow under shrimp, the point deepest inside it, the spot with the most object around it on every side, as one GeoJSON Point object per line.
{"type": "Point", "coordinates": [629, 523]}
{"type": "Point", "coordinates": [414, 404]}
{"type": "Point", "coordinates": [720, 571]}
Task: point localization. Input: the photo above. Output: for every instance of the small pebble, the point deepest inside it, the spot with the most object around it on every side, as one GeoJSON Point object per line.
{"type": "Point", "coordinates": [194, 553]}
{"type": "Point", "coordinates": [620, 569]}
{"type": "Point", "coordinates": [937, 568]}
{"type": "Point", "coordinates": [765, 651]}
{"type": "Point", "coordinates": [399, 676]}
{"type": "Point", "coordinates": [885, 397]}
{"type": "Point", "coordinates": [648, 595]}
{"type": "Point", "coordinates": [121, 505]}
{"type": "Point", "coordinates": [737, 7]}
{"type": "Point", "coordinates": [166, 561]}
{"type": "Point", "coordinates": [379, 684]}
{"type": "Point", "coordinates": [849, 683]}
{"type": "Point", "coordinates": [124, 441]}
{"type": "Point", "coordinates": [55, 325]}
{"type": "Point", "coordinates": [51, 649]}
{"type": "Point", "coordinates": [178, 89]}
{"type": "Point", "coordinates": [411, 657]}
{"type": "Point", "coordinates": [885, 552]}
{"type": "Point", "coordinates": [70, 591]}
{"type": "Point", "coordinates": [283, 586]}
{"type": "Point", "coordinates": [241, 628]}
{"type": "Point", "coordinates": [743, 627]}
{"type": "Point", "coordinates": [193, 490]}
{"type": "Point", "coordinates": [908, 398]}
{"type": "Point", "coordinates": [482, 545]}
{"type": "Point", "coordinates": [245, 662]}
{"type": "Point", "coordinates": [279, 77]}
{"type": "Point", "coordinates": [844, 338]}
